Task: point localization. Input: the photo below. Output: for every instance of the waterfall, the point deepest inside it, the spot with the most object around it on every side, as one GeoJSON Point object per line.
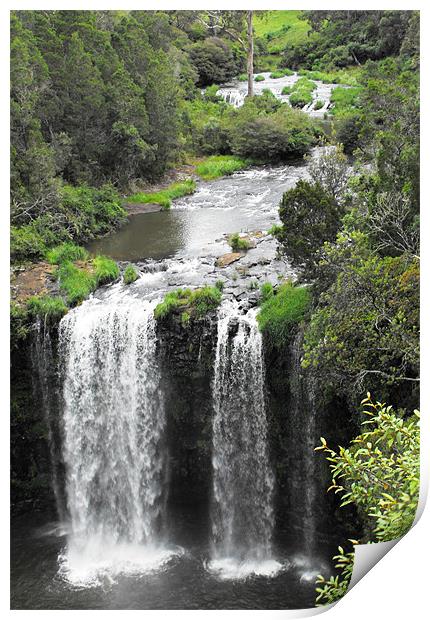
{"type": "Point", "coordinates": [243, 483]}
{"type": "Point", "coordinates": [113, 416]}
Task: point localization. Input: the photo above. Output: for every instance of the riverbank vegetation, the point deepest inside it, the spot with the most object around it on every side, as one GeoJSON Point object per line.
{"type": "Point", "coordinates": [217, 166]}
{"type": "Point", "coordinates": [281, 310]}
{"type": "Point", "coordinates": [165, 196]}
{"type": "Point", "coordinates": [130, 274]}
{"type": "Point", "coordinates": [190, 303]}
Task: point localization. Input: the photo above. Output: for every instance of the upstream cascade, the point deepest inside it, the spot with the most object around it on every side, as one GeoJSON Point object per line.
{"type": "Point", "coordinates": [243, 482]}
{"type": "Point", "coordinates": [113, 415]}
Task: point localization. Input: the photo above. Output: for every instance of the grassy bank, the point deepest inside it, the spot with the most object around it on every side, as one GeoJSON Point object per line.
{"type": "Point", "coordinates": [165, 196]}
{"type": "Point", "coordinates": [220, 165]}
{"type": "Point", "coordinates": [281, 28]}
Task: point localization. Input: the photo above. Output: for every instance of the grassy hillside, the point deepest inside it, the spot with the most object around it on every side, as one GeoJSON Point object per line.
{"type": "Point", "coordinates": [281, 28]}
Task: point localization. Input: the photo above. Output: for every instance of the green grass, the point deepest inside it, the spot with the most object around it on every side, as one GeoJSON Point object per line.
{"type": "Point", "coordinates": [219, 166]}
{"type": "Point", "coordinates": [66, 252]}
{"type": "Point", "coordinates": [75, 283]}
{"type": "Point", "coordinates": [259, 78]}
{"type": "Point", "coordinates": [46, 307]}
{"type": "Point", "coordinates": [267, 62]}
{"type": "Point", "coordinates": [348, 76]}
{"type": "Point", "coordinates": [238, 243]}
{"type": "Point", "coordinates": [344, 100]}
{"type": "Point", "coordinates": [280, 312]}
{"type": "Point", "coordinates": [266, 291]}
{"type": "Point", "coordinates": [280, 73]}
{"type": "Point", "coordinates": [301, 92]}
{"type": "Point", "coordinates": [286, 90]}
{"type": "Point", "coordinates": [318, 104]}
{"type": "Point", "coordinates": [130, 274]}
{"type": "Point", "coordinates": [106, 270]}
{"type": "Point", "coordinates": [281, 29]}
{"type": "Point", "coordinates": [195, 303]}
{"type": "Point", "coordinates": [165, 196]}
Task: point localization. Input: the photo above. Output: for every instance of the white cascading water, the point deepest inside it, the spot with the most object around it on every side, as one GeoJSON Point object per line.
{"type": "Point", "coordinates": [243, 482]}
{"type": "Point", "coordinates": [113, 416]}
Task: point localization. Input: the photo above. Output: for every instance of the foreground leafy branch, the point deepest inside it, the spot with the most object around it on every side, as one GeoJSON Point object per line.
{"type": "Point", "coordinates": [379, 473]}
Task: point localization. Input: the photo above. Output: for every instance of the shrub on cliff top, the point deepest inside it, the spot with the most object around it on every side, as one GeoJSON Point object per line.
{"type": "Point", "coordinates": [66, 252]}
{"type": "Point", "coordinates": [130, 274]}
{"type": "Point", "coordinates": [238, 243]}
{"type": "Point", "coordinates": [76, 283]}
{"type": "Point", "coordinates": [281, 311]}
{"type": "Point", "coordinates": [46, 307]}
{"type": "Point", "coordinates": [106, 270]}
{"type": "Point", "coordinates": [197, 303]}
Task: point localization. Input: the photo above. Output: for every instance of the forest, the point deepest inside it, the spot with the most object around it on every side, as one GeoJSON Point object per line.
{"type": "Point", "coordinates": [121, 119]}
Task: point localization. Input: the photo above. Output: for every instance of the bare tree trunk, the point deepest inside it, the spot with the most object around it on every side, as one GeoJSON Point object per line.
{"type": "Point", "coordinates": [250, 58]}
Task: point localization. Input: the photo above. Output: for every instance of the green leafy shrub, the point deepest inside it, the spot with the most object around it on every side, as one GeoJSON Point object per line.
{"type": "Point", "coordinates": [238, 243]}
{"type": "Point", "coordinates": [277, 74]}
{"type": "Point", "coordinates": [332, 589]}
{"type": "Point", "coordinates": [299, 99]}
{"type": "Point", "coordinates": [347, 76]}
{"type": "Point", "coordinates": [130, 274]}
{"type": "Point", "coordinates": [243, 77]}
{"type": "Point", "coordinates": [106, 270]}
{"type": "Point", "coordinates": [271, 137]}
{"type": "Point", "coordinates": [259, 78]}
{"type": "Point", "coordinates": [266, 291]}
{"type": "Point", "coordinates": [286, 90]}
{"type": "Point", "coordinates": [281, 311]}
{"type": "Point", "coordinates": [345, 100]}
{"type": "Point", "coordinates": [220, 285]}
{"type": "Point", "coordinates": [195, 303]}
{"type": "Point", "coordinates": [211, 93]}
{"type": "Point", "coordinates": [379, 474]}
{"type": "Point", "coordinates": [220, 165]}
{"type": "Point", "coordinates": [301, 92]}
{"type": "Point", "coordinates": [19, 325]}
{"type": "Point", "coordinates": [165, 196]}
{"type": "Point", "coordinates": [26, 243]}
{"type": "Point", "coordinates": [66, 252]}
{"type": "Point", "coordinates": [46, 307]}
{"type": "Point", "coordinates": [318, 104]}
{"type": "Point", "coordinates": [310, 216]}
{"type": "Point", "coordinates": [213, 59]}
{"type": "Point", "coordinates": [76, 283]}
{"type": "Point", "coordinates": [275, 230]}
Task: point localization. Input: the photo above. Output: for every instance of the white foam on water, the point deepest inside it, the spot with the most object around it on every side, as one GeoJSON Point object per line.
{"type": "Point", "coordinates": [97, 562]}
{"type": "Point", "coordinates": [234, 569]}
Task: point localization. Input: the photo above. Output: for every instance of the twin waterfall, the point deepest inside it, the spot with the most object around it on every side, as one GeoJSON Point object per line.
{"type": "Point", "coordinates": [114, 419]}
{"type": "Point", "coordinates": [243, 483]}
{"type": "Point", "coordinates": [114, 443]}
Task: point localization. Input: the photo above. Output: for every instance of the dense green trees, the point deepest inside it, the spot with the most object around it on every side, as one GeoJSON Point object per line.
{"type": "Point", "coordinates": [93, 100]}
{"type": "Point", "coordinates": [343, 38]}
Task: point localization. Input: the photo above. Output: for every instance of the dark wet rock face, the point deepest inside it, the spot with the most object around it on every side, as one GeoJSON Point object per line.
{"type": "Point", "coordinates": [187, 358]}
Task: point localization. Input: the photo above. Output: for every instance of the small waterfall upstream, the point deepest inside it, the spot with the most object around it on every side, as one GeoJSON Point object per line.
{"type": "Point", "coordinates": [114, 419]}
{"type": "Point", "coordinates": [243, 482]}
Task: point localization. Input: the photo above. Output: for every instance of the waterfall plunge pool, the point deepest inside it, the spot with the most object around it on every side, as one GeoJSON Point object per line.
{"type": "Point", "coordinates": [181, 581]}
